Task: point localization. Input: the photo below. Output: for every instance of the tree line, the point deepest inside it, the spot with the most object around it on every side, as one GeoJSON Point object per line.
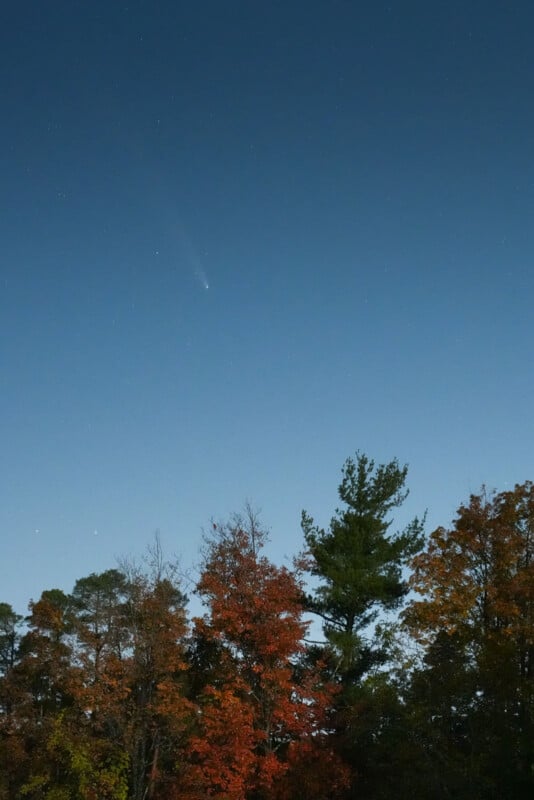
{"type": "Point", "coordinates": [420, 686]}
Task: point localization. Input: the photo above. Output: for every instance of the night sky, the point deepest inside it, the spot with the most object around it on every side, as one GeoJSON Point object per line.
{"type": "Point", "coordinates": [240, 241]}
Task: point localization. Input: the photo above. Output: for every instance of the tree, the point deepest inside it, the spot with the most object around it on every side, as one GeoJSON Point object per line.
{"type": "Point", "coordinates": [253, 708]}
{"type": "Point", "coordinates": [41, 686]}
{"type": "Point", "coordinates": [9, 637]}
{"type": "Point", "coordinates": [98, 618]}
{"type": "Point", "coordinates": [357, 563]}
{"type": "Point", "coordinates": [131, 628]}
{"type": "Point", "coordinates": [358, 566]}
{"type": "Point", "coordinates": [12, 751]}
{"type": "Point", "coordinates": [476, 580]}
{"type": "Point", "coordinates": [157, 713]}
{"type": "Point", "coordinates": [99, 704]}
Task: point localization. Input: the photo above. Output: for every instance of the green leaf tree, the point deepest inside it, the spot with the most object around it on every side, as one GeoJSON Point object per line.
{"type": "Point", "coordinates": [358, 563]}
{"type": "Point", "coordinates": [358, 567]}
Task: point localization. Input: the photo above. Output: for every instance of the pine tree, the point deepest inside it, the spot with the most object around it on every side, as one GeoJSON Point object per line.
{"type": "Point", "coordinates": [357, 562]}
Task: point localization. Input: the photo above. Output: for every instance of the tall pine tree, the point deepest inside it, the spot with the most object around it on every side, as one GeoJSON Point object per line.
{"type": "Point", "coordinates": [358, 563]}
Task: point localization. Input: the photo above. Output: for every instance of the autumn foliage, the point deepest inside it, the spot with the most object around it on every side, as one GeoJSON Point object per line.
{"type": "Point", "coordinates": [255, 625]}
{"type": "Point", "coordinates": [112, 693]}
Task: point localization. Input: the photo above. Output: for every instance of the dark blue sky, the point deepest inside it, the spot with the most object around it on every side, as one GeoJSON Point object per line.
{"type": "Point", "coordinates": [355, 184]}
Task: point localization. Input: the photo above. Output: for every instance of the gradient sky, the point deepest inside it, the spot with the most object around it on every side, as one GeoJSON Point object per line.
{"type": "Point", "coordinates": [353, 181]}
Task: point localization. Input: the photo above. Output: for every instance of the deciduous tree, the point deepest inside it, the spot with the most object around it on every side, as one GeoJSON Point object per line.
{"type": "Point", "coordinates": [476, 582]}
{"type": "Point", "coordinates": [254, 706]}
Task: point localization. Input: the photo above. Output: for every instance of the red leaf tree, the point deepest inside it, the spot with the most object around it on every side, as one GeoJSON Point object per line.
{"type": "Point", "coordinates": [255, 708]}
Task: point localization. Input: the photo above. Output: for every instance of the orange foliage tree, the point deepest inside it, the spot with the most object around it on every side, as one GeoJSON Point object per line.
{"type": "Point", "coordinates": [477, 585]}
{"type": "Point", "coordinates": [131, 628]}
{"type": "Point", "coordinates": [255, 711]}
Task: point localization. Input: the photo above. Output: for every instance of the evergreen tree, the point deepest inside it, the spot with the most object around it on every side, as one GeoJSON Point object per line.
{"type": "Point", "coordinates": [358, 563]}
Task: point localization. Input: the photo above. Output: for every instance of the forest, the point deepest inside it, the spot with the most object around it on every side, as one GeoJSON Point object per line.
{"type": "Point", "coordinates": [414, 680]}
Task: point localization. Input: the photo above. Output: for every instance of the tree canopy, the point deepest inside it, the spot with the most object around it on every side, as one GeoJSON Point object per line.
{"type": "Point", "coordinates": [422, 686]}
